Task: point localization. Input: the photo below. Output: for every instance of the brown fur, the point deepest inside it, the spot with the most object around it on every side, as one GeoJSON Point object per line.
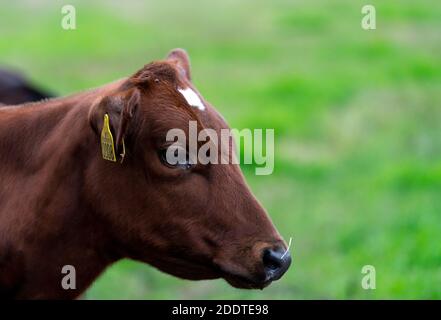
{"type": "Point", "coordinates": [62, 204]}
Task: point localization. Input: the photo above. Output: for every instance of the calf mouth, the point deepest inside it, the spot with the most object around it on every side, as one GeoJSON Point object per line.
{"type": "Point", "coordinates": [265, 263]}
{"type": "Point", "coordinates": [244, 280]}
{"type": "Point", "coordinates": [241, 282]}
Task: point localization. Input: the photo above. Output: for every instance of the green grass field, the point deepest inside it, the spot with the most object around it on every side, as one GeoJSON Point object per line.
{"type": "Point", "coordinates": [356, 114]}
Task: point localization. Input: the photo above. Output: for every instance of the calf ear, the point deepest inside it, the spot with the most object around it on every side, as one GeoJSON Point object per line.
{"type": "Point", "coordinates": [120, 108]}
{"type": "Point", "coordinates": [182, 59]}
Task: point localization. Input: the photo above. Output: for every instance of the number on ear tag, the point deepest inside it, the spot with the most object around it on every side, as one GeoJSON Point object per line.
{"type": "Point", "coordinates": [107, 144]}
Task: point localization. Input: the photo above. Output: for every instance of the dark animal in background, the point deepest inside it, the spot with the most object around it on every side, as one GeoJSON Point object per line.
{"type": "Point", "coordinates": [16, 89]}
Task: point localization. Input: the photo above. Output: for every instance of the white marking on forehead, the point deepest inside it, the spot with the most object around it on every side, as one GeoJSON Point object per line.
{"type": "Point", "coordinates": [192, 98]}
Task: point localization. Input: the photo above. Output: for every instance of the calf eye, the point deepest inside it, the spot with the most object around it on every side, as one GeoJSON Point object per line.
{"type": "Point", "coordinates": [175, 157]}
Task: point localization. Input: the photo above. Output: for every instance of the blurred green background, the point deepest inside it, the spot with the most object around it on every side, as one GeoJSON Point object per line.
{"type": "Point", "coordinates": [356, 115]}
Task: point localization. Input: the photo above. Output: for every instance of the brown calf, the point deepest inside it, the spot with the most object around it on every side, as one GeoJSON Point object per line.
{"type": "Point", "coordinates": [62, 204]}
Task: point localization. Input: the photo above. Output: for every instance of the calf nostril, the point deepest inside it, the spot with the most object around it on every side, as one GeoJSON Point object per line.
{"type": "Point", "coordinates": [271, 260]}
{"type": "Point", "coordinates": [275, 261]}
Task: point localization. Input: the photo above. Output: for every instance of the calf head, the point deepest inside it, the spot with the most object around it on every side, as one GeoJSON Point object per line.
{"type": "Point", "coordinates": [192, 220]}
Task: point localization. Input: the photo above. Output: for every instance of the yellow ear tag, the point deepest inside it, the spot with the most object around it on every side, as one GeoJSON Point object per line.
{"type": "Point", "coordinates": [107, 144]}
